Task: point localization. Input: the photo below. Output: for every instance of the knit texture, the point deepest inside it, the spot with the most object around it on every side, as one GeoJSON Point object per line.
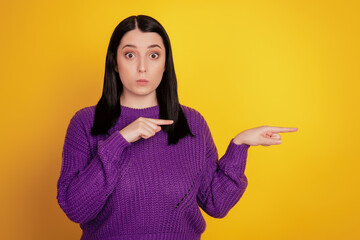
{"type": "Point", "coordinates": [146, 189]}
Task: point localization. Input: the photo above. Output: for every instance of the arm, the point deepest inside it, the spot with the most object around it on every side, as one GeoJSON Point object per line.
{"type": "Point", "coordinates": [223, 181]}
{"type": "Point", "coordinates": [85, 183]}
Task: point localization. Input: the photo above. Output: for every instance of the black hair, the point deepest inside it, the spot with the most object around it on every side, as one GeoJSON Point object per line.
{"type": "Point", "coordinates": [108, 108]}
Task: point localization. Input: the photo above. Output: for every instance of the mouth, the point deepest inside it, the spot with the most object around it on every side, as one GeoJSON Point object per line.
{"type": "Point", "coordinates": [142, 81]}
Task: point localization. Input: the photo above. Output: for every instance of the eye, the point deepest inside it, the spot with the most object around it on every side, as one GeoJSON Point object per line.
{"type": "Point", "coordinates": [154, 54]}
{"type": "Point", "coordinates": [129, 54]}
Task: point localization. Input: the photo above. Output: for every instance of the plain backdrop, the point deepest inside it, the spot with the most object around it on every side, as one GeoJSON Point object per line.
{"type": "Point", "coordinates": [242, 64]}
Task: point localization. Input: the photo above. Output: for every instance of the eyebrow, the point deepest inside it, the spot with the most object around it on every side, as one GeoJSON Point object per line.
{"type": "Point", "coordinates": [151, 46]}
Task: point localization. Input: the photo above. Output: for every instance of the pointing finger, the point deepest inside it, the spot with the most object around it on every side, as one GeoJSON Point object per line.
{"type": "Point", "coordinates": [282, 129]}
{"type": "Point", "coordinates": [161, 121]}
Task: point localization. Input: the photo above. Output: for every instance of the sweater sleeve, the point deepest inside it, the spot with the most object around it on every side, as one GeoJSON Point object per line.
{"type": "Point", "coordinates": [223, 181]}
{"type": "Point", "coordinates": [86, 182]}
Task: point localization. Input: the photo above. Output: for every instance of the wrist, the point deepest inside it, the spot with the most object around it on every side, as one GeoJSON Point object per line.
{"type": "Point", "coordinates": [237, 141]}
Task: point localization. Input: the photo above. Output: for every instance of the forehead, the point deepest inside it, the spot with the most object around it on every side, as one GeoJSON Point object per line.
{"type": "Point", "coordinates": [141, 39]}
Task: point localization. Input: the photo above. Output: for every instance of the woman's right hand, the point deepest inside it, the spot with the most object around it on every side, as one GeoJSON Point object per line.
{"type": "Point", "coordinates": [143, 128]}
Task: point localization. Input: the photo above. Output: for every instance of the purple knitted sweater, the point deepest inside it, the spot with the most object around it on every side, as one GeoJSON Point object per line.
{"type": "Point", "coordinates": [146, 189]}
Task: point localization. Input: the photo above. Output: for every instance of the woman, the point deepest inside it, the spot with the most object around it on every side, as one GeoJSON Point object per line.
{"type": "Point", "coordinates": [138, 165]}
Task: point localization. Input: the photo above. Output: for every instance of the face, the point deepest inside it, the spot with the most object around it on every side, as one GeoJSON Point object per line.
{"type": "Point", "coordinates": [140, 55]}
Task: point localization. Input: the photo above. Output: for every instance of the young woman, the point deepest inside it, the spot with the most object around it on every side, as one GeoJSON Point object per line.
{"type": "Point", "coordinates": [138, 164]}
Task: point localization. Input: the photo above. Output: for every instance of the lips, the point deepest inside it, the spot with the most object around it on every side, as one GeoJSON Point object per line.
{"type": "Point", "coordinates": [142, 82]}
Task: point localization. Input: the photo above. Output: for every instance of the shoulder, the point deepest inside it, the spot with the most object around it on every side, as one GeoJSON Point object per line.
{"type": "Point", "coordinates": [84, 116]}
{"type": "Point", "coordinates": [189, 111]}
{"type": "Point", "coordinates": [193, 115]}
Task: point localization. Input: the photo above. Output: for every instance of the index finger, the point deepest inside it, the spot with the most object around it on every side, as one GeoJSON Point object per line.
{"type": "Point", "coordinates": [282, 129]}
{"type": "Point", "coordinates": [161, 121]}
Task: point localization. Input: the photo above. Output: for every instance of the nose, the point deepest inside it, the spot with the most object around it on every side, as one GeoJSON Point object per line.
{"type": "Point", "coordinates": [142, 65]}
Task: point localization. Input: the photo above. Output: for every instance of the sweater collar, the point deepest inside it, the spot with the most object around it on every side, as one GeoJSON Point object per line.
{"type": "Point", "coordinates": [140, 112]}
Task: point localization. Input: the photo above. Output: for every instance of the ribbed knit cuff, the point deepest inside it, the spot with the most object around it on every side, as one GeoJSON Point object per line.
{"type": "Point", "coordinates": [114, 145]}
{"type": "Point", "coordinates": [235, 156]}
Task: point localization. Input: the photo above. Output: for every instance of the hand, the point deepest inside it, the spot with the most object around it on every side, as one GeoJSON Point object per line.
{"type": "Point", "coordinates": [143, 128]}
{"type": "Point", "coordinates": [264, 135]}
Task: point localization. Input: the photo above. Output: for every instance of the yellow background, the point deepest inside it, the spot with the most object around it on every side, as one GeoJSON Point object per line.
{"type": "Point", "coordinates": [242, 64]}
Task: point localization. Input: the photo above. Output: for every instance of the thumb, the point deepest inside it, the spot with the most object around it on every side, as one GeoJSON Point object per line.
{"type": "Point", "coordinates": [158, 129]}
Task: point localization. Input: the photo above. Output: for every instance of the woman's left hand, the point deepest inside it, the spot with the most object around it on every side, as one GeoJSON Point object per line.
{"type": "Point", "coordinates": [264, 135]}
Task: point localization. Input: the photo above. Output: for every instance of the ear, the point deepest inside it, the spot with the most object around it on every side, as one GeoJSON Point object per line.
{"type": "Point", "coordinates": [116, 67]}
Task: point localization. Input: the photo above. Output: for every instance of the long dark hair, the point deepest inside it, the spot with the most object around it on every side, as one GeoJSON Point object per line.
{"type": "Point", "coordinates": [108, 108]}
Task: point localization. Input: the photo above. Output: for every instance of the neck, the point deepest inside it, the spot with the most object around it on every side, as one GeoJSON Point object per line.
{"type": "Point", "coordinates": [138, 102]}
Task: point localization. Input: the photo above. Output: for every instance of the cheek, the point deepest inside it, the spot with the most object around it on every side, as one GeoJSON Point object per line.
{"type": "Point", "coordinates": [160, 68]}
{"type": "Point", "coordinates": [125, 70]}
{"type": "Point", "coordinates": [158, 74]}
